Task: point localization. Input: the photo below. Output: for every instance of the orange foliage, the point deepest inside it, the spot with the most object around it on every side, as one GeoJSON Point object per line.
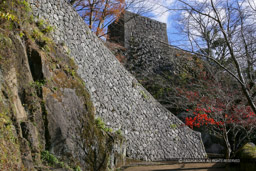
{"type": "Point", "coordinates": [98, 14]}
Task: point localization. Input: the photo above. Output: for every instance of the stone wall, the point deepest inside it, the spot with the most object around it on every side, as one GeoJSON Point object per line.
{"type": "Point", "coordinates": [151, 131]}
{"type": "Point", "coordinates": [146, 43]}
{"type": "Point", "coordinates": [133, 25]}
{"type": "Point", "coordinates": [136, 25]}
{"type": "Point", "coordinates": [148, 55]}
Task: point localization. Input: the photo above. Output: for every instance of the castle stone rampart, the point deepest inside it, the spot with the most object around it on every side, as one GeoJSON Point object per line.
{"type": "Point", "coordinates": [118, 98]}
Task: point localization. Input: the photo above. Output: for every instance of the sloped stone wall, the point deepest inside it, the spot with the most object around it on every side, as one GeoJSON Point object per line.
{"type": "Point", "coordinates": [151, 131]}
{"type": "Point", "coordinates": [148, 55]}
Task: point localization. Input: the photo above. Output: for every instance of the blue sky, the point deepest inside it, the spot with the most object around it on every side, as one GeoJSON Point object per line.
{"type": "Point", "coordinates": [160, 13]}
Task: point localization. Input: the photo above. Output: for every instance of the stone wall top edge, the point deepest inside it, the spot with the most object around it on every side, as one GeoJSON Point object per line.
{"type": "Point", "coordinates": [146, 18]}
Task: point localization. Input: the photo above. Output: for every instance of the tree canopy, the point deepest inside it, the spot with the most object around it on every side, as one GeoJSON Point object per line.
{"type": "Point", "coordinates": [98, 14]}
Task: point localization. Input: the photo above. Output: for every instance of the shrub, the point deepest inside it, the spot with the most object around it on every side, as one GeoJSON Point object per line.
{"type": "Point", "coordinates": [101, 125]}
{"type": "Point", "coordinates": [49, 158]}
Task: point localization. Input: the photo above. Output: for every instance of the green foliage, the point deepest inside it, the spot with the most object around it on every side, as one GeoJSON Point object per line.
{"type": "Point", "coordinates": [38, 84]}
{"type": "Point", "coordinates": [49, 158]}
{"type": "Point", "coordinates": [14, 14]}
{"type": "Point", "coordinates": [40, 37]}
{"type": "Point", "coordinates": [55, 88]}
{"type": "Point", "coordinates": [184, 76]}
{"type": "Point", "coordinates": [158, 91]}
{"type": "Point", "coordinates": [77, 168]}
{"type": "Point", "coordinates": [248, 151]}
{"type": "Point", "coordinates": [173, 126]}
{"type": "Point", "coordinates": [9, 148]}
{"type": "Point", "coordinates": [48, 29]}
{"type": "Point", "coordinates": [73, 72]}
{"type": "Point", "coordinates": [108, 129]}
{"type": "Point", "coordinates": [5, 45]}
{"type": "Point", "coordinates": [25, 5]}
{"type": "Point", "coordinates": [44, 27]}
{"type": "Point", "coordinates": [37, 34]}
{"type": "Point", "coordinates": [21, 34]}
{"type": "Point", "coordinates": [176, 139]}
{"type": "Point", "coordinates": [5, 41]}
{"type": "Point", "coordinates": [144, 95]}
{"type": "Point", "coordinates": [31, 19]}
{"type": "Point", "coordinates": [101, 125]}
{"type": "Point", "coordinates": [119, 132]}
{"type": "Point", "coordinates": [46, 48]}
{"type": "Point", "coordinates": [70, 70]}
{"type": "Point", "coordinates": [7, 16]}
{"type": "Point", "coordinates": [40, 23]}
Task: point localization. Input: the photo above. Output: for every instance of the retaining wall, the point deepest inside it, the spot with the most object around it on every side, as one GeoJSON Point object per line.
{"type": "Point", "coordinates": [151, 131]}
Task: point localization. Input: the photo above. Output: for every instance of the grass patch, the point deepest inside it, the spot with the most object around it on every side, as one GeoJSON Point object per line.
{"type": "Point", "coordinates": [52, 160]}
{"type": "Point", "coordinates": [173, 126]}
{"type": "Point", "coordinates": [144, 95]}
{"type": "Point", "coordinates": [101, 125]}
{"type": "Point", "coordinates": [10, 156]}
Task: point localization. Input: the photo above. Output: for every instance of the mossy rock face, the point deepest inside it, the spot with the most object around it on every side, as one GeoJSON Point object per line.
{"type": "Point", "coordinates": [248, 151]}
{"type": "Point", "coordinates": [10, 156]}
{"type": "Point", "coordinates": [44, 105]}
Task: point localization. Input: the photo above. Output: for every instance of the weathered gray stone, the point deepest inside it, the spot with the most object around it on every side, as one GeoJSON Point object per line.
{"type": "Point", "coordinates": [29, 132]}
{"type": "Point", "coordinates": [63, 121]}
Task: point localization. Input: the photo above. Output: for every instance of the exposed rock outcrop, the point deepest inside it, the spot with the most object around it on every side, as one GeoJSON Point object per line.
{"type": "Point", "coordinates": [46, 114]}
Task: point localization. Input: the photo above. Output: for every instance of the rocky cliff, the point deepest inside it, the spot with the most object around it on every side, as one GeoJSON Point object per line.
{"type": "Point", "coordinates": [46, 113]}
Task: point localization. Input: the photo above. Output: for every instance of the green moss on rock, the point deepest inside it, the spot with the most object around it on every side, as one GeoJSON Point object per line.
{"type": "Point", "coordinates": [10, 156]}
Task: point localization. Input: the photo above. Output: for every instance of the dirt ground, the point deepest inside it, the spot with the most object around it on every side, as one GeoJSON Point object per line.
{"type": "Point", "coordinates": [189, 166]}
{"type": "Point", "coordinates": [179, 166]}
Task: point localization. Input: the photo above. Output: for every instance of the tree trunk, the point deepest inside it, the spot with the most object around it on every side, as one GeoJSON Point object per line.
{"type": "Point", "coordinates": [228, 146]}
{"type": "Point", "coordinates": [228, 151]}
